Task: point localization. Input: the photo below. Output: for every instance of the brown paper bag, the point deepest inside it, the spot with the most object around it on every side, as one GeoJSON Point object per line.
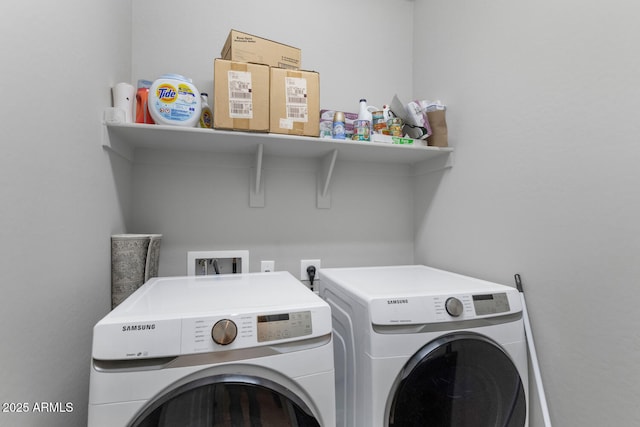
{"type": "Point", "coordinates": [439, 137]}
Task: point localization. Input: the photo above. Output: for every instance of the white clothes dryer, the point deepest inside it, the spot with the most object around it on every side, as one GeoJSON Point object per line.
{"type": "Point", "coordinates": [417, 346]}
{"type": "Point", "coordinates": [228, 350]}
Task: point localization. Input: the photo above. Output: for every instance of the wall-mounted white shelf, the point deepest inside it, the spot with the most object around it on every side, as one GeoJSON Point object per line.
{"type": "Point", "coordinates": [125, 138]}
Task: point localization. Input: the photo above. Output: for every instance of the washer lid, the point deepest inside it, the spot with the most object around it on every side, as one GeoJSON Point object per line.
{"type": "Point", "coordinates": [170, 297]}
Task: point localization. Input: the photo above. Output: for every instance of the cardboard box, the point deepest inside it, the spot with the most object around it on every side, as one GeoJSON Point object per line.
{"type": "Point", "coordinates": [245, 47]}
{"type": "Point", "coordinates": [240, 96]}
{"type": "Point", "coordinates": [295, 102]}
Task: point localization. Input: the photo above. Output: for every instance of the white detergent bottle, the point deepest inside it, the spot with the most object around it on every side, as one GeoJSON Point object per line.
{"type": "Point", "coordinates": [364, 113]}
{"type": "Point", "coordinates": [206, 115]}
{"type": "Point", "coordinates": [174, 100]}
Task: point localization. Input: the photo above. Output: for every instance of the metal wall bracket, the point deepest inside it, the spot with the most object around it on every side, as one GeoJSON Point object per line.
{"type": "Point", "coordinates": [256, 180]}
{"type": "Point", "coordinates": [324, 180]}
{"type": "Point", "coordinates": [436, 164]}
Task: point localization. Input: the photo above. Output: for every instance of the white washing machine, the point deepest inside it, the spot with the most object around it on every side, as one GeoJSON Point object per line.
{"type": "Point", "coordinates": [418, 346]}
{"type": "Point", "coordinates": [228, 350]}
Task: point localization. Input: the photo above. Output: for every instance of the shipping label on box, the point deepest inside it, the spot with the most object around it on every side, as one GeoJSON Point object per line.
{"type": "Point", "coordinates": [240, 96]}
{"type": "Point", "coordinates": [245, 47]}
{"type": "Point", "coordinates": [295, 102]}
{"type": "Point", "coordinates": [296, 99]}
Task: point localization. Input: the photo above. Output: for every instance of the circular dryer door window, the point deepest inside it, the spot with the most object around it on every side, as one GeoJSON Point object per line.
{"type": "Point", "coordinates": [227, 401]}
{"type": "Point", "coordinates": [462, 380]}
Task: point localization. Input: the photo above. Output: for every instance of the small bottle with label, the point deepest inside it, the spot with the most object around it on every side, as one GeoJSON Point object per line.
{"type": "Point", "coordinates": [206, 115]}
{"type": "Point", "coordinates": [364, 113]}
{"type": "Point", "coordinates": [142, 100]}
{"type": "Point", "coordinates": [362, 126]}
{"type": "Point", "coordinates": [338, 130]}
{"type": "Point", "coordinates": [386, 112]}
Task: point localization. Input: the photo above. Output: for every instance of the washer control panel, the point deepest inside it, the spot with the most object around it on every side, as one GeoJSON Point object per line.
{"type": "Point", "coordinates": [243, 331]}
{"type": "Point", "coordinates": [446, 307]}
{"type": "Point", "coordinates": [224, 332]}
{"type": "Point", "coordinates": [453, 306]}
{"type": "Point", "coordinates": [272, 327]}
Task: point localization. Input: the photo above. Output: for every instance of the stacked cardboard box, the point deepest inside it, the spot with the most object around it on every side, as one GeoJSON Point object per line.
{"type": "Point", "coordinates": [259, 87]}
{"type": "Point", "coordinates": [295, 102]}
{"type": "Point", "coordinates": [240, 96]}
{"type": "Point", "coordinates": [243, 47]}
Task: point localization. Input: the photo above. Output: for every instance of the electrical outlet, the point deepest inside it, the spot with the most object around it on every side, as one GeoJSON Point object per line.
{"type": "Point", "coordinates": [267, 266]}
{"type": "Point", "coordinates": [306, 263]}
{"type": "Point", "coordinates": [207, 263]}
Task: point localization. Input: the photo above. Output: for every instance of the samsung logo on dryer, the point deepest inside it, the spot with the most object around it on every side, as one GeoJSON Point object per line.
{"type": "Point", "coordinates": [144, 327]}
{"type": "Point", "coordinates": [398, 301]}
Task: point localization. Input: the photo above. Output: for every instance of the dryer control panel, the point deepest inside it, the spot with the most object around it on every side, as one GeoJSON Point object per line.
{"type": "Point", "coordinates": [423, 309]}
{"type": "Point", "coordinates": [491, 303]}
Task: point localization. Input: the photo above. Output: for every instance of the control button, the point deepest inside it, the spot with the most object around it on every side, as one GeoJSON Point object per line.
{"type": "Point", "coordinates": [454, 306]}
{"type": "Point", "coordinates": [224, 332]}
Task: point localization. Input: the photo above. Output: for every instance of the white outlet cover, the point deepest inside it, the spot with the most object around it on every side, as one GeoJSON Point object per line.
{"type": "Point", "coordinates": [267, 266]}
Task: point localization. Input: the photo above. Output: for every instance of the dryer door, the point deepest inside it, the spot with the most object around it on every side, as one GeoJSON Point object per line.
{"type": "Point", "coordinates": [227, 400]}
{"type": "Point", "coordinates": [461, 380]}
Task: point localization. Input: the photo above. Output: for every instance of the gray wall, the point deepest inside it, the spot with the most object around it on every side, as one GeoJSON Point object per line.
{"type": "Point", "coordinates": [61, 196]}
{"type": "Point", "coordinates": [544, 103]}
{"type": "Point", "coordinates": [200, 202]}
{"type": "Point", "coordinates": [347, 42]}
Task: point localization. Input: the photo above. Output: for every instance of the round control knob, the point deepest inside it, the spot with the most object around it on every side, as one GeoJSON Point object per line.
{"type": "Point", "coordinates": [454, 306]}
{"type": "Point", "coordinates": [224, 332]}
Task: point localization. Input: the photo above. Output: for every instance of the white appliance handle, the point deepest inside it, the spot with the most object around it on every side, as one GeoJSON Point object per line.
{"type": "Point", "coordinates": [533, 355]}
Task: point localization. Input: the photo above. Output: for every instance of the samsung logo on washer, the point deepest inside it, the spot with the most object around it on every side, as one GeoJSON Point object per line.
{"type": "Point", "coordinates": [398, 301]}
{"type": "Point", "coordinates": [131, 328]}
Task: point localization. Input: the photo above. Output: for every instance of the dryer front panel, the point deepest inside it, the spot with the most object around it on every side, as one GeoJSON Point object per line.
{"type": "Point", "coordinates": [458, 380]}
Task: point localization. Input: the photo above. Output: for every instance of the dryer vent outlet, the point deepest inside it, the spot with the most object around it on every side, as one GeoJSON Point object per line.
{"type": "Point", "coordinates": [209, 263]}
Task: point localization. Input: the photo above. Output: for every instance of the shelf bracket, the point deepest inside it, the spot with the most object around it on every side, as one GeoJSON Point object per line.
{"type": "Point", "coordinates": [114, 144]}
{"type": "Point", "coordinates": [256, 181]}
{"type": "Point", "coordinates": [324, 180]}
{"type": "Point", "coordinates": [436, 164]}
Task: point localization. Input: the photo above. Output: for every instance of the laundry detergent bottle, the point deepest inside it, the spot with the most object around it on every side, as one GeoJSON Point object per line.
{"type": "Point", "coordinates": [363, 112]}
{"type": "Point", "coordinates": [206, 116]}
{"type": "Point", "coordinates": [174, 100]}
